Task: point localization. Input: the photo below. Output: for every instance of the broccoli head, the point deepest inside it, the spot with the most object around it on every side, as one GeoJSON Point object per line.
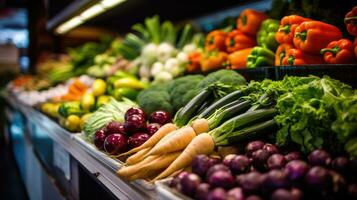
{"type": "Point", "coordinates": [225, 76]}
{"type": "Point", "coordinates": [183, 89]}
{"type": "Point", "coordinates": [154, 99]}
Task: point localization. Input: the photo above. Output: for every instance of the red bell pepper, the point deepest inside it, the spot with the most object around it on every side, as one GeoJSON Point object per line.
{"type": "Point", "coordinates": [194, 64]}
{"type": "Point", "coordinates": [312, 36]}
{"type": "Point", "coordinates": [339, 52]}
{"type": "Point", "coordinates": [237, 40]}
{"type": "Point", "coordinates": [250, 20]}
{"type": "Point", "coordinates": [287, 28]}
{"type": "Point", "coordinates": [351, 21]}
{"type": "Point", "coordinates": [298, 57]}
{"type": "Point", "coordinates": [281, 53]}
{"type": "Point", "coordinates": [215, 40]}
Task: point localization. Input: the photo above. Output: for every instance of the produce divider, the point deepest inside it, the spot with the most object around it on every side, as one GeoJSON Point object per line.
{"type": "Point", "coordinates": [94, 161]}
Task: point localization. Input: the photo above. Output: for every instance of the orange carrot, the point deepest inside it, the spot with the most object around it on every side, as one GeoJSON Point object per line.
{"type": "Point", "coordinates": [176, 142]}
{"type": "Point", "coordinates": [202, 144]}
{"type": "Point", "coordinates": [137, 157]}
{"type": "Point", "coordinates": [162, 132]}
{"type": "Point", "coordinates": [200, 126]}
{"type": "Point", "coordinates": [130, 170]}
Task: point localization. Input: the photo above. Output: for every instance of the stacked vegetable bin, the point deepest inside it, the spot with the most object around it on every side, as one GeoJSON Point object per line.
{"type": "Point", "coordinates": [233, 114]}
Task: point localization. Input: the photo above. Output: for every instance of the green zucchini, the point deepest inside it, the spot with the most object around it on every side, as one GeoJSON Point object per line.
{"type": "Point", "coordinates": [232, 109]}
{"type": "Point", "coordinates": [251, 132]}
{"type": "Point", "coordinates": [241, 121]}
{"type": "Point", "coordinates": [220, 103]}
{"type": "Point", "coordinates": [184, 115]}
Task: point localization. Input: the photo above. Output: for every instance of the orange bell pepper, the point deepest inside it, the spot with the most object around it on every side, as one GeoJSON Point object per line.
{"type": "Point", "coordinates": [215, 40]}
{"type": "Point", "coordinates": [312, 36]}
{"type": "Point", "coordinates": [287, 28]}
{"type": "Point", "coordinates": [339, 52]}
{"type": "Point", "coordinates": [237, 40]}
{"type": "Point", "coordinates": [194, 62]}
{"type": "Point", "coordinates": [351, 21]}
{"type": "Point", "coordinates": [238, 59]}
{"type": "Point", "coordinates": [298, 57]}
{"type": "Point", "coordinates": [281, 53]}
{"type": "Point", "coordinates": [213, 60]}
{"type": "Point", "coordinates": [250, 20]}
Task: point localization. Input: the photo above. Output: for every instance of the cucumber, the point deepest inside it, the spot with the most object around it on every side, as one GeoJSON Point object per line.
{"type": "Point", "coordinates": [184, 115]}
{"type": "Point", "coordinates": [221, 102]}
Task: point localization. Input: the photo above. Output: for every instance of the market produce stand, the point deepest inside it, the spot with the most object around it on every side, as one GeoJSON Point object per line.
{"type": "Point", "coordinates": [96, 162]}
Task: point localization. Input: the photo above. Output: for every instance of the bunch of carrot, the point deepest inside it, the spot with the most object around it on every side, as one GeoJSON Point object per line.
{"type": "Point", "coordinates": [75, 91]}
{"type": "Point", "coordinates": [169, 148]}
{"type": "Point", "coordinates": [230, 119]}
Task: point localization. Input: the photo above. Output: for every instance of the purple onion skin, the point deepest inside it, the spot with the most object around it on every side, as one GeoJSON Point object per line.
{"type": "Point", "coordinates": [240, 164]}
{"type": "Point", "coordinates": [137, 139]}
{"type": "Point", "coordinates": [134, 111]}
{"type": "Point", "coordinates": [251, 182]}
{"type": "Point", "coordinates": [275, 179]}
{"type": "Point", "coordinates": [200, 165]}
{"type": "Point", "coordinates": [135, 124]}
{"type": "Point", "coordinates": [227, 160]}
{"type": "Point", "coordinates": [189, 184]}
{"type": "Point", "coordinates": [217, 194]}
{"type": "Point", "coordinates": [160, 117]}
{"type": "Point", "coordinates": [270, 148]}
{"type": "Point", "coordinates": [276, 161]}
{"type": "Point", "coordinates": [296, 169]}
{"type": "Point", "coordinates": [294, 155]}
{"type": "Point", "coordinates": [214, 168]}
{"type": "Point", "coordinates": [202, 191]}
{"type": "Point", "coordinates": [115, 143]}
{"type": "Point", "coordinates": [223, 179]}
{"type": "Point", "coordinates": [152, 128]}
{"type": "Point", "coordinates": [114, 127]}
{"type": "Point", "coordinates": [253, 197]}
{"type": "Point", "coordinates": [253, 146]}
{"type": "Point", "coordinates": [340, 164]}
{"type": "Point", "coordinates": [259, 159]}
{"type": "Point", "coordinates": [318, 178]}
{"type": "Point", "coordinates": [215, 160]}
{"type": "Point", "coordinates": [99, 138]}
{"type": "Point", "coordinates": [297, 194]}
{"type": "Point", "coordinates": [236, 194]}
{"type": "Point", "coordinates": [319, 157]}
{"type": "Point", "coordinates": [174, 182]}
{"type": "Point", "coordinates": [281, 194]}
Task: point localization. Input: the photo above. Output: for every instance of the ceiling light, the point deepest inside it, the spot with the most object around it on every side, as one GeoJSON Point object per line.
{"type": "Point", "coordinates": [87, 14]}
{"type": "Point", "coordinates": [111, 3]}
{"type": "Point", "coordinates": [76, 21]}
{"type": "Point", "coordinates": [92, 12]}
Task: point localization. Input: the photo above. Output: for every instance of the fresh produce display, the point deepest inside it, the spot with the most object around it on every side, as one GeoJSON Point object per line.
{"type": "Point", "coordinates": [305, 110]}
{"type": "Point", "coordinates": [171, 104]}
{"type": "Point", "coordinates": [264, 171]}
